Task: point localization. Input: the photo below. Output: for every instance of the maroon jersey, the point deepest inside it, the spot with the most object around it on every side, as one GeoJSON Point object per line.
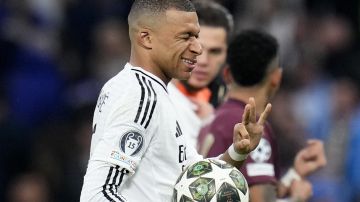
{"type": "Point", "coordinates": [261, 165]}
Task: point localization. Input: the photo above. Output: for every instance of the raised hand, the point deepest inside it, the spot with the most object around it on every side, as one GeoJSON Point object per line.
{"type": "Point", "coordinates": [248, 133]}
{"type": "Point", "coordinates": [310, 158]}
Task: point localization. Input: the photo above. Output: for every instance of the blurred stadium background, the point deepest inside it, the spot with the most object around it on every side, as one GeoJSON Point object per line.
{"type": "Point", "coordinates": [56, 54]}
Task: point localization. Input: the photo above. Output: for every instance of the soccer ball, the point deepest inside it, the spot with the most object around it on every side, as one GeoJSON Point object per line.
{"type": "Point", "coordinates": [211, 180]}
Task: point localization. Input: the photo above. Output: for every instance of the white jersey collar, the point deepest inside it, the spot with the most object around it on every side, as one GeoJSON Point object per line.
{"type": "Point", "coordinates": [148, 74]}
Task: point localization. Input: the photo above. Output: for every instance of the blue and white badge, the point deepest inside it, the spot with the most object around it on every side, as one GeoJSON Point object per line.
{"type": "Point", "coordinates": [131, 143]}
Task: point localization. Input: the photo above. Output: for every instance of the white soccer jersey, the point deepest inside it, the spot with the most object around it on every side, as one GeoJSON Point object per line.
{"type": "Point", "coordinates": [138, 148]}
{"type": "Point", "coordinates": [191, 122]}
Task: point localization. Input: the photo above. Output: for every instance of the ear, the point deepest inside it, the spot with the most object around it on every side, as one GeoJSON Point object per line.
{"type": "Point", "coordinates": [275, 77]}
{"type": "Point", "coordinates": [145, 38]}
{"type": "Point", "coordinates": [227, 74]}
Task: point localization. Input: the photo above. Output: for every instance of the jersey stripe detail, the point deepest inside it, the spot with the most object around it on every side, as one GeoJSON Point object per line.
{"type": "Point", "coordinates": [141, 99]}
{"type": "Point", "coordinates": [148, 96]}
{"type": "Point", "coordinates": [148, 101]}
{"type": "Point", "coordinates": [153, 106]}
{"type": "Point", "coordinates": [113, 176]}
{"type": "Point", "coordinates": [178, 130]}
{"type": "Point", "coordinates": [106, 182]}
{"type": "Point", "coordinates": [113, 187]}
{"type": "Point", "coordinates": [151, 78]}
{"type": "Point", "coordinates": [123, 172]}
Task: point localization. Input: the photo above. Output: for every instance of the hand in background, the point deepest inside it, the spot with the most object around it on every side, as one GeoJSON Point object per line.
{"type": "Point", "coordinates": [311, 158]}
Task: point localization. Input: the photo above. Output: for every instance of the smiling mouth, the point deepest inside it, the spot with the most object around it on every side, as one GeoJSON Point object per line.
{"type": "Point", "coordinates": [189, 62]}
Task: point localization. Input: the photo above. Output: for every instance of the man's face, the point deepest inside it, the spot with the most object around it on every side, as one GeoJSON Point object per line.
{"type": "Point", "coordinates": [209, 63]}
{"type": "Point", "coordinates": [176, 45]}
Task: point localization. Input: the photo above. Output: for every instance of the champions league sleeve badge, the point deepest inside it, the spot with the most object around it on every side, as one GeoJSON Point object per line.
{"type": "Point", "coordinates": [263, 151]}
{"type": "Point", "coordinates": [131, 143]}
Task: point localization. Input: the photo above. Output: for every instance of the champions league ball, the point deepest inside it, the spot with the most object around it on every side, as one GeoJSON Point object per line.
{"type": "Point", "coordinates": [211, 180]}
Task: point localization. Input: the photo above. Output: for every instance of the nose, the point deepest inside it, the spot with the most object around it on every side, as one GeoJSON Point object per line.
{"type": "Point", "coordinates": [202, 59]}
{"type": "Point", "coordinates": [196, 47]}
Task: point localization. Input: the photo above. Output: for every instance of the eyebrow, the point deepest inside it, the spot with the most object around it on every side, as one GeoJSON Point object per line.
{"type": "Point", "coordinates": [189, 33]}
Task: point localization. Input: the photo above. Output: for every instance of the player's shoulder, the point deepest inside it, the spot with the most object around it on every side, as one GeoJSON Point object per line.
{"type": "Point", "coordinates": [121, 82]}
{"type": "Point", "coordinates": [120, 92]}
{"type": "Point", "coordinates": [147, 81]}
{"type": "Point", "coordinates": [135, 93]}
{"type": "Point", "coordinates": [129, 83]}
{"type": "Point", "coordinates": [228, 112]}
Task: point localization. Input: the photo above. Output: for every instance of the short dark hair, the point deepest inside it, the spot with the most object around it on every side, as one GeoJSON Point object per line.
{"type": "Point", "coordinates": [214, 14]}
{"type": "Point", "coordinates": [156, 7]}
{"type": "Point", "coordinates": [249, 56]}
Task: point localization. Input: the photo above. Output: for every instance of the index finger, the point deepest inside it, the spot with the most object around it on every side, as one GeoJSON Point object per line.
{"type": "Point", "coordinates": [252, 110]}
{"type": "Point", "coordinates": [246, 115]}
{"type": "Point", "coordinates": [264, 114]}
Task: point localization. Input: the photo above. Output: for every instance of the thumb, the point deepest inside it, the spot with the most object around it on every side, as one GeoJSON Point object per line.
{"type": "Point", "coordinates": [242, 145]}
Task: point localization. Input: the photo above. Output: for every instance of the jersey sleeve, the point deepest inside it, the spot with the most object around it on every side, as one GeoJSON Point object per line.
{"type": "Point", "coordinates": [121, 140]}
{"type": "Point", "coordinates": [102, 183]}
{"type": "Point", "coordinates": [261, 165]}
{"type": "Point", "coordinates": [124, 140]}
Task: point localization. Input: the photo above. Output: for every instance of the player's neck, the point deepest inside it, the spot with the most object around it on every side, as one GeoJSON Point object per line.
{"type": "Point", "coordinates": [138, 60]}
{"type": "Point", "coordinates": [244, 93]}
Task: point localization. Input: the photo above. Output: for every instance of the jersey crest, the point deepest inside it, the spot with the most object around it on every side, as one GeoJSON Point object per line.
{"type": "Point", "coordinates": [131, 143]}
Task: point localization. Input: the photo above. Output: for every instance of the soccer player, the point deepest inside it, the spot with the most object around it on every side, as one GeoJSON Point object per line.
{"type": "Point", "coordinates": [253, 69]}
{"type": "Point", "coordinates": [138, 148]}
{"type": "Point", "coordinates": [194, 96]}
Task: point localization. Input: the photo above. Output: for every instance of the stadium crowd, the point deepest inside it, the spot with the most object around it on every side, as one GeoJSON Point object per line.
{"type": "Point", "coordinates": [56, 55]}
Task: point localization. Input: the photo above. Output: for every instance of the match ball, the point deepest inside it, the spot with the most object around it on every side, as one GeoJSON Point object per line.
{"type": "Point", "coordinates": [211, 180]}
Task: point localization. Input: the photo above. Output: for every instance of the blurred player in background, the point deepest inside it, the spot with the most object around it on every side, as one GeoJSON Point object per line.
{"type": "Point", "coordinates": [138, 148]}
{"type": "Point", "coordinates": [197, 96]}
{"type": "Point", "coordinates": [254, 71]}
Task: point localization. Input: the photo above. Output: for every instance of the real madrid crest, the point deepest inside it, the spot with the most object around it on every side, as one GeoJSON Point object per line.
{"type": "Point", "coordinates": [131, 143]}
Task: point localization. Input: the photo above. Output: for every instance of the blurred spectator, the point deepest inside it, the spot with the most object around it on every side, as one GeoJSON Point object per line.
{"type": "Point", "coordinates": [333, 128]}
{"type": "Point", "coordinates": [33, 84]}
{"type": "Point", "coordinates": [14, 146]}
{"type": "Point", "coordinates": [81, 18]}
{"type": "Point", "coordinates": [352, 164]}
{"type": "Point", "coordinates": [62, 151]}
{"type": "Point", "coordinates": [33, 88]}
{"type": "Point", "coordinates": [111, 49]}
{"type": "Point", "coordinates": [29, 187]}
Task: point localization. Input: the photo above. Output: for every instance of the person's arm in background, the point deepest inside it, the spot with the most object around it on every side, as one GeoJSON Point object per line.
{"type": "Point", "coordinates": [299, 191]}
{"type": "Point", "coordinates": [308, 160]}
{"type": "Point", "coordinates": [293, 186]}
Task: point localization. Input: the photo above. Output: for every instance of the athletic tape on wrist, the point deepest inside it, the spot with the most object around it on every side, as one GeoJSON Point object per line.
{"type": "Point", "coordinates": [236, 156]}
{"type": "Point", "coordinates": [290, 175]}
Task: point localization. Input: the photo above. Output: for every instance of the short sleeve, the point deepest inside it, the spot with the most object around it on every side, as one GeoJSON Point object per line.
{"type": "Point", "coordinates": [261, 166]}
